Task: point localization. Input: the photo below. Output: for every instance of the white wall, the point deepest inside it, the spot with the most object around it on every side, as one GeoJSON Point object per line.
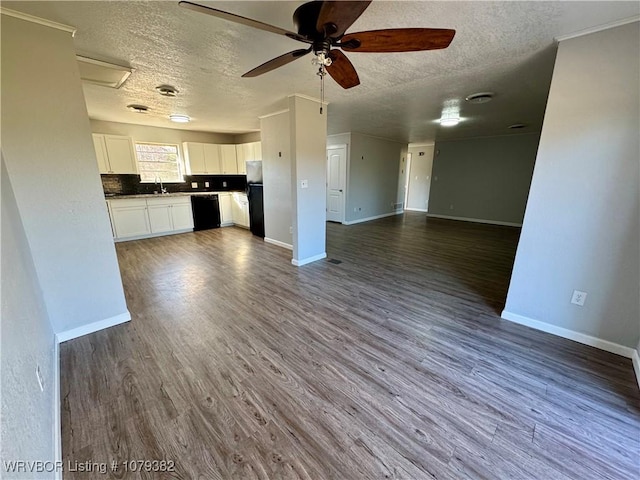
{"type": "Point", "coordinates": [483, 179]}
{"type": "Point", "coordinates": [420, 177]}
{"type": "Point", "coordinates": [276, 172]}
{"type": "Point", "coordinates": [28, 427]}
{"type": "Point", "coordinates": [49, 155]}
{"type": "Point", "coordinates": [581, 227]}
{"type": "Point", "coordinates": [309, 164]}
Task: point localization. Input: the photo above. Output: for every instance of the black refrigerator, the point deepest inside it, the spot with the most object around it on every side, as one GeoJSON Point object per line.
{"type": "Point", "coordinates": [255, 197]}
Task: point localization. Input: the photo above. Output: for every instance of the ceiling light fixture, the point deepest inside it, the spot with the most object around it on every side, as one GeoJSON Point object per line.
{"type": "Point", "coordinates": [478, 98]}
{"type": "Point", "coordinates": [449, 121]}
{"type": "Point", "coordinates": [138, 108]}
{"type": "Point", "coordinates": [167, 90]}
{"type": "Point", "coordinates": [450, 116]}
{"type": "Point", "coordinates": [178, 118]}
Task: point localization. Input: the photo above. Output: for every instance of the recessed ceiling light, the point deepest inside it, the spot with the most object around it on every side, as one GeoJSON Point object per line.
{"type": "Point", "coordinates": [167, 90]}
{"type": "Point", "coordinates": [174, 117]}
{"type": "Point", "coordinates": [138, 108]}
{"type": "Point", "coordinates": [481, 97]}
{"type": "Point", "coordinates": [515, 126]}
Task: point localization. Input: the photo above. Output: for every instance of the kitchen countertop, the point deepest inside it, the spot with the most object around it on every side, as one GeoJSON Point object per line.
{"type": "Point", "coordinates": [174, 194]}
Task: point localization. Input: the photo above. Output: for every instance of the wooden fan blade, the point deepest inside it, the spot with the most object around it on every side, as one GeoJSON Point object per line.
{"type": "Point", "coordinates": [342, 70]}
{"type": "Point", "coordinates": [277, 62]}
{"type": "Point", "coordinates": [397, 40]}
{"type": "Point", "coordinates": [232, 17]}
{"type": "Point", "coordinates": [336, 16]}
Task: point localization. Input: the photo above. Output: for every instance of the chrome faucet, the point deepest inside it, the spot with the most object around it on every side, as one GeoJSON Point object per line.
{"type": "Point", "coordinates": [162, 189]}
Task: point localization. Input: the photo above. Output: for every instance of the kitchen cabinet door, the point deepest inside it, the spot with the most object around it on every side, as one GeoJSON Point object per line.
{"type": "Point", "coordinates": [130, 218]}
{"type": "Point", "coordinates": [101, 152]}
{"type": "Point", "coordinates": [212, 159]}
{"type": "Point", "coordinates": [121, 154]}
{"type": "Point", "coordinates": [160, 218]}
{"type": "Point", "coordinates": [194, 153]}
{"type": "Point", "coordinates": [240, 210]}
{"type": "Point", "coordinates": [229, 159]}
{"type": "Point", "coordinates": [244, 153]}
{"type": "Point", "coordinates": [257, 150]}
{"type": "Point", "coordinates": [182, 215]}
{"type": "Point", "coordinates": [226, 210]}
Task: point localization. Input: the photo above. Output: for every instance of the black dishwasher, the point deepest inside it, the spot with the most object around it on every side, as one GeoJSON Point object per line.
{"type": "Point", "coordinates": [206, 212]}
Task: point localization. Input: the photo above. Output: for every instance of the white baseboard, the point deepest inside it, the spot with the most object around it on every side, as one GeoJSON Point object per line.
{"type": "Point", "coordinates": [153, 235]}
{"type": "Point", "coordinates": [304, 261]}
{"type": "Point", "coordinates": [475, 220]}
{"type": "Point", "coordinates": [278, 243]}
{"type": "Point", "coordinates": [92, 327]}
{"type": "Point", "coordinates": [570, 334]}
{"type": "Point", "coordinates": [57, 414]}
{"type": "Point", "coordinates": [636, 364]}
{"type": "Point", "coordinates": [376, 217]}
{"type": "Point", "coordinates": [424, 210]}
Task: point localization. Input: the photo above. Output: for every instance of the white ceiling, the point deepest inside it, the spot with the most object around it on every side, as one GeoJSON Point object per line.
{"type": "Point", "coordinates": [504, 47]}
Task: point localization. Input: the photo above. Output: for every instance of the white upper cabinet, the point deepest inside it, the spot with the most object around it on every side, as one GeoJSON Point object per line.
{"type": "Point", "coordinates": [212, 159]}
{"type": "Point", "coordinates": [229, 159]}
{"type": "Point", "coordinates": [257, 150]}
{"type": "Point", "coordinates": [194, 155]}
{"type": "Point", "coordinates": [115, 154]}
{"type": "Point", "coordinates": [247, 152]}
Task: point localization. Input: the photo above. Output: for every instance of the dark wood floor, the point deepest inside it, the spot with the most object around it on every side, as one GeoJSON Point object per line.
{"type": "Point", "coordinates": [391, 364]}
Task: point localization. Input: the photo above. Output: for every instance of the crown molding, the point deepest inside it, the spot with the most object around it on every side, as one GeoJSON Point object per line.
{"type": "Point", "coordinates": [599, 28]}
{"type": "Point", "coordinates": [38, 20]}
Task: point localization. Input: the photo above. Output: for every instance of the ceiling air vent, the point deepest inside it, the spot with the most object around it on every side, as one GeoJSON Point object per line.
{"type": "Point", "coordinates": [102, 73]}
{"type": "Point", "coordinates": [482, 97]}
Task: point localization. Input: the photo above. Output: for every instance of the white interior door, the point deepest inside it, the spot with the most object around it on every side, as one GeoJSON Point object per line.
{"type": "Point", "coordinates": [407, 177]}
{"type": "Point", "coordinates": [336, 182]}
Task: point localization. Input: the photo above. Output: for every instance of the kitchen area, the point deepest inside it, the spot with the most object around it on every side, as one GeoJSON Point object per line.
{"type": "Point", "coordinates": [153, 189]}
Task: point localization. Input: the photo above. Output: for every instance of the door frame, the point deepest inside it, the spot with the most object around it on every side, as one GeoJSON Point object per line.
{"type": "Point", "coordinates": [346, 177]}
{"type": "Point", "coordinates": [407, 179]}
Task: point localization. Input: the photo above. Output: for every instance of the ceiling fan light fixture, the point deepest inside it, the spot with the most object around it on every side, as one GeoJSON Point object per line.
{"type": "Point", "coordinates": [481, 97]}
{"type": "Point", "coordinates": [138, 108]}
{"type": "Point", "coordinates": [179, 118]}
{"type": "Point", "coordinates": [167, 90]}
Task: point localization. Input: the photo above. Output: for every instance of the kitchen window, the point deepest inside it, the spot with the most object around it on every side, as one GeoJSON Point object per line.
{"type": "Point", "coordinates": [158, 161]}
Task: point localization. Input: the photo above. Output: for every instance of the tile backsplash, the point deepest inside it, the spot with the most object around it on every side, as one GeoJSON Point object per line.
{"type": "Point", "coordinates": [114, 184]}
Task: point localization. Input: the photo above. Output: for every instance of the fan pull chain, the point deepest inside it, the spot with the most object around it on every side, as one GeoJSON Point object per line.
{"type": "Point", "coordinates": [321, 73]}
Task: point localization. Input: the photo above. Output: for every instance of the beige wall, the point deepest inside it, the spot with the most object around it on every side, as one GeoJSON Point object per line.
{"type": "Point", "coordinates": [49, 154]}
{"type": "Point", "coordinates": [581, 227]}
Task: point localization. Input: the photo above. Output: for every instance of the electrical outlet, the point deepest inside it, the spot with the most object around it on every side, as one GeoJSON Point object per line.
{"type": "Point", "coordinates": [224, 184]}
{"type": "Point", "coordinates": [579, 298]}
{"type": "Point", "coordinates": [451, 207]}
{"type": "Point", "coordinates": [39, 377]}
{"type": "Point", "coordinates": [290, 230]}
{"type": "Point", "coordinates": [206, 184]}
{"type": "Point", "coordinates": [194, 184]}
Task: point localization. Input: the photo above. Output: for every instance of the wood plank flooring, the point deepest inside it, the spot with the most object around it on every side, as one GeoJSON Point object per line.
{"type": "Point", "coordinates": [393, 364]}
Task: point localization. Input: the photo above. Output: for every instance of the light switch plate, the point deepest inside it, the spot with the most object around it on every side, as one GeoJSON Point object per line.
{"type": "Point", "coordinates": [194, 184]}
{"type": "Point", "coordinates": [206, 184]}
{"type": "Point", "coordinates": [304, 184]}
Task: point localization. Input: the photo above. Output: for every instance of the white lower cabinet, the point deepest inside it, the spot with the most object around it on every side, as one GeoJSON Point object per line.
{"type": "Point", "coordinates": [226, 211]}
{"type": "Point", "coordinates": [240, 209]}
{"type": "Point", "coordinates": [139, 218]}
{"type": "Point", "coordinates": [182, 215]}
{"type": "Point", "coordinates": [129, 217]}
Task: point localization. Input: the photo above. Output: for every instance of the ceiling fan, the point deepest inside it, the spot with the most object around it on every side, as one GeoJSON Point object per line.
{"type": "Point", "coordinates": [322, 25]}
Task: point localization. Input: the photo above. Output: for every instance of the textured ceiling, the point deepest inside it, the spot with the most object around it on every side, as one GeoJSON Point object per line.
{"type": "Point", "coordinates": [503, 47]}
